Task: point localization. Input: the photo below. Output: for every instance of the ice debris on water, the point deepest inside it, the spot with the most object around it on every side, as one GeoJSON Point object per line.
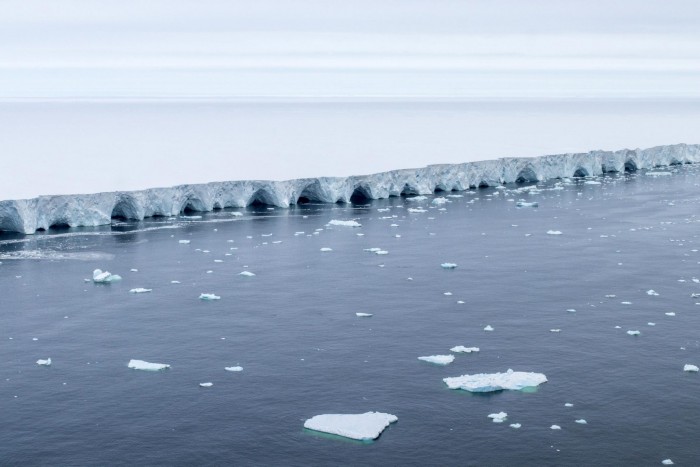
{"type": "Point", "coordinates": [209, 296]}
{"type": "Point", "coordinates": [147, 366]}
{"type": "Point", "coordinates": [206, 385]}
{"type": "Point", "coordinates": [105, 277]}
{"type": "Point", "coordinates": [515, 425]}
{"type": "Point", "coordinates": [633, 333]}
{"type": "Point", "coordinates": [247, 274]}
{"type": "Point", "coordinates": [233, 368]}
{"type": "Point", "coordinates": [366, 426]}
{"type": "Point", "coordinates": [667, 462]}
{"type": "Point", "coordinates": [438, 359]}
{"type": "Point", "coordinates": [448, 265]}
{"type": "Point", "coordinates": [363, 315]}
{"type": "Point", "coordinates": [555, 427]}
{"type": "Point", "coordinates": [499, 417]}
{"type": "Point", "coordinates": [463, 349]}
{"type": "Point", "coordinates": [670, 313]}
{"type": "Point", "coordinates": [184, 242]}
{"type": "Point", "coordinates": [652, 292]}
{"type": "Point", "coordinates": [523, 204]}
{"type": "Point", "coordinates": [691, 368]}
{"type": "Point", "coordinates": [325, 249]}
{"type": "Point", "coordinates": [488, 328]}
{"type": "Point", "coordinates": [554, 232]}
{"type": "Point", "coordinates": [490, 382]}
{"type": "Point", "coordinates": [140, 290]}
{"type": "Point", "coordinates": [344, 223]}
{"type": "Point", "coordinates": [47, 362]}
{"type": "Point", "coordinates": [581, 421]}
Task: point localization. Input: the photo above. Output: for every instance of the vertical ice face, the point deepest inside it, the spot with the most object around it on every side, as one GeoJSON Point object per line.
{"type": "Point", "coordinates": [27, 216]}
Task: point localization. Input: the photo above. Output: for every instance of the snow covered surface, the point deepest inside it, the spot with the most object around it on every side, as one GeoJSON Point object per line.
{"type": "Point", "coordinates": [366, 426]}
{"type": "Point", "coordinates": [29, 215]}
{"type": "Point", "coordinates": [147, 366]}
{"type": "Point", "coordinates": [490, 382]}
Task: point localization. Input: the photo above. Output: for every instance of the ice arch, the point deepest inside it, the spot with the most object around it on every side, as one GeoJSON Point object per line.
{"type": "Point", "coordinates": [310, 194]}
{"type": "Point", "coordinates": [360, 195]}
{"type": "Point", "coordinates": [409, 190]}
{"type": "Point", "coordinates": [630, 165]}
{"type": "Point", "coordinates": [526, 175]}
{"type": "Point", "coordinates": [125, 208]}
{"type": "Point", "coordinates": [580, 173]}
{"type": "Point", "coordinates": [193, 204]}
{"type": "Point", "coordinates": [261, 197]}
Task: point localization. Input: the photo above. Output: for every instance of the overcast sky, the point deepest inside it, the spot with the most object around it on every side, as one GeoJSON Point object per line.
{"type": "Point", "coordinates": [484, 49]}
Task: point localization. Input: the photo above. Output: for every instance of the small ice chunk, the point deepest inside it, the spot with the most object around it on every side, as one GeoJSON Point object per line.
{"type": "Point", "coordinates": [555, 330]}
{"type": "Point", "coordinates": [490, 382]}
{"type": "Point", "coordinates": [555, 427]}
{"type": "Point", "coordinates": [366, 426]}
{"type": "Point", "coordinates": [417, 198]}
{"type": "Point", "coordinates": [441, 200]}
{"type": "Point", "coordinates": [324, 249]}
{"type": "Point", "coordinates": [553, 232]}
{"type": "Point", "coordinates": [568, 404]}
{"type": "Point", "coordinates": [633, 333]}
{"type": "Point", "coordinates": [488, 328]}
{"type": "Point", "coordinates": [515, 425]}
{"type": "Point", "coordinates": [581, 421]}
{"type": "Point", "coordinates": [416, 210]}
{"type": "Point", "coordinates": [381, 252]}
{"type": "Point", "coordinates": [233, 368]}
{"type": "Point", "coordinates": [140, 290]}
{"type": "Point", "coordinates": [651, 324]}
{"type": "Point", "coordinates": [174, 282]}
{"type": "Point", "coordinates": [498, 417]}
{"type": "Point", "coordinates": [523, 204]}
{"type": "Point", "coordinates": [146, 366]}
{"type": "Point", "coordinates": [652, 292]}
{"type": "Point", "coordinates": [448, 265]}
{"type": "Point", "coordinates": [463, 349]}
{"type": "Point", "coordinates": [688, 367]}
{"type": "Point", "coordinates": [209, 296]}
{"type": "Point", "coordinates": [47, 362]}
{"type": "Point", "coordinates": [438, 359]}
{"type": "Point", "coordinates": [247, 274]}
{"type": "Point", "coordinates": [134, 270]}
{"type": "Point", "coordinates": [206, 385]}
{"type": "Point", "coordinates": [667, 462]}
{"type": "Point", "coordinates": [105, 277]}
{"type": "Point", "coordinates": [363, 315]}
{"type": "Point", "coordinates": [447, 293]}
{"type": "Point", "coordinates": [670, 313]}
{"type": "Point", "coordinates": [344, 223]}
{"type": "Point", "coordinates": [184, 242]}
{"type": "Point", "coordinates": [236, 214]}
{"type": "Point", "coordinates": [571, 310]}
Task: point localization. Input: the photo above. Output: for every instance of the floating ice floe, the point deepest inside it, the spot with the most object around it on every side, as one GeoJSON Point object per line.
{"type": "Point", "coordinates": [491, 382]}
{"type": "Point", "coordinates": [667, 462]}
{"type": "Point", "coordinates": [209, 296]}
{"type": "Point", "coordinates": [344, 223]}
{"type": "Point", "coordinates": [236, 214]}
{"type": "Point", "coordinates": [555, 427]}
{"type": "Point", "coordinates": [515, 425]}
{"type": "Point", "coordinates": [554, 232]}
{"type": "Point", "coordinates": [381, 252]}
{"type": "Point", "coordinates": [555, 330]}
{"type": "Point", "coordinates": [140, 290]}
{"type": "Point", "coordinates": [184, 242]}
{"type": "Point", "coordinates": [233, 368]}
{"type": "Point", "coordinates": [448, 265]}
{"type": "Point", "coordinates": [247, 274]}
{"type": "Point", "coordinates": [581, 421]}
{"type": "Point", "coordinates": [488, 328]}
{"type": "Point", "coordinates": [105, 277]}
{"type": "Point", "coordinates": [417, 198]}
{"type": "Point", "coordinates": [652, 292]}
{"type": "Point", "coordinates": [147, 366]}
{"type": "Point", "coordinates": [687, 367]}
{"type": "Point", "coordinates": [523, 204]}
{"type": "Point", "coordinates": [498, 417]}
{"type": "Point", "coordinates": [670, 313]}
{"type": "Point", "coordinates": [134, 270]}
{"type": "Point", "coordinates": [633, 333]}
{"type": "Point", "coordinates": [441, 200]}
{"type": "Point", "coordinates": [463, 349]}
{"type": "Point", "coordinates": [47, 362]}
{"type": "Point", "coordinates": [416, 210]}
{"type": "Point", "coordinates": [363, 315]}
{"type": "Point", "coordinates": [326, 249]}
{"type": "Point", "coordinates": [438, 359]}
{"type": "Point", "coordinates": [372, 250]}
{"type": "Point", "coordinates": [206, 385]}
{"type": "Point", "coordinates": [568, 404]}
{"type": "Point", "coordinates": [366, 426]}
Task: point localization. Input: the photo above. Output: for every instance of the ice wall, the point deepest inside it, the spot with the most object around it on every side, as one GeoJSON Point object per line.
{"type": "Point", "coordinates": [27, 216]}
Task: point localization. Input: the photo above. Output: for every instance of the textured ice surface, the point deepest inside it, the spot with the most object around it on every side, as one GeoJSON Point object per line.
{"type": "Point", "coordinates": [498, 417]}
{"type": "Point", "coordinates": [28, 215]}
{"type": "Point", "coordinates": [147, 366]}
{"type": "Point", "coordinates": [105, 277]}
{"type": "Point", "coordinates": [363, 426]}
{"type": "Point", "coordinates": [463, 349]}
{"type": "Point", "coordinates": [691, 368]}
{"type": "Point", "coordinates": [489, 382]}
{"type": "Point", "coordinates": [209, 296]}
{"type": "Point", "coordinates": [438, 359]}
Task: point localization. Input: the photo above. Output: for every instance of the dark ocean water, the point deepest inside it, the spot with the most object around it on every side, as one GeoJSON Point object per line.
{"type": "Point", "coordinates": [293, 328]}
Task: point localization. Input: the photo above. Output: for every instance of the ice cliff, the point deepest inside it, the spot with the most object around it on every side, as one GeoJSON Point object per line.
{"type": "Point", "coordinates": [27, 216]}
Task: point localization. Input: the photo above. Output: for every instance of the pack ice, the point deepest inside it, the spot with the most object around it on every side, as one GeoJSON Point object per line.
{"type": "Point", "coordinates": [365, 426]}
{"type": "Point", "coordinates": [491, 382]}
{"type": "Point", "coordinates": [28, 215]}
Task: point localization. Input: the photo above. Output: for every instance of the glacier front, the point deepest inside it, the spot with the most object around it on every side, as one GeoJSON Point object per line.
{"type": "Point", "coordinates": [41, 213]}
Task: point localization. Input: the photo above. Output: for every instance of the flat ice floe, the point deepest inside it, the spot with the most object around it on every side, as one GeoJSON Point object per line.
{"type": "Point", "coordinates": [100, 277]}
{"type": "Point", "coordinates": [140, 290]}
{"type": "Point", "coordinates": [688, 367]}
{"type": "Point", "coordinates": [554, 232]}
{"type": "Point", "coordinates": [365, 426]}
{"type": "Point", "coordinates": [233, 368]}
{"type": "Point", "coordinates": [206, 385]}
{"type": "Point", "coordinates": [498, 417]}
{"type": "Point", "coordinates": [438, 359]}
{"type": "Point", "coordinates": [209, 296]}
{"type": "Point", "coordinates": [463, 349]}
{"type": "Point", "coordinates": [47, 362]}
{"type": "Point", "coordinates": [247, 274]}
{"type": "Point", "coordinates": [344, 223]}
{"type": "Point", "coordinates": [523, 204]}
{"type": "Point", "coordinates": [448, 265]}
{"type": "Point", "coordinates": [147, 366]}
{"type": "Point", "coordinates": [490, 382]}
{"type": "Point", "coordinates": [325, 249]}
{"type": "Point", "coordinates": [363, 315]}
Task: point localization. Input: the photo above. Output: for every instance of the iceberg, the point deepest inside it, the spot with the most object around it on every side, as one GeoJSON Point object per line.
{"type": "Point", "coordinates": [206, 385]}
{"type": "Point", "coordinates": [47, 362]}
{"type": "Point", "coordinates": [438, 359]}
{"type": "Point", "coordinates": [147, 366]}
{"type": "Point", "coordinates": [491, 382]}
{"type": "Point", "coordinates": [99, 277]}
{"type": "Point", "coordinates": [366, 426]}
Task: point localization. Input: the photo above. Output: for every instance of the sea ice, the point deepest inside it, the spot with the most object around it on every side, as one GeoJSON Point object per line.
{"type": "Point", "coordinates": [106, 277]}
{"type": "Point", "coordinates": [366, 426]}
{"type": "Point", "coordinates": [633, 333]}
{"type": "Point", "coordinates": [523, 204]}
{"type": "Point", "coordinates": [47, 362]}
{"type": "Point", "coordinates": [488, 328]}
{"type": "Point", "coordinates": [553, 232]}
{"type": "Point", "coordinates": [667, 462]}
{"type": "Point", "coordinates": [146, 366]}
{"type": "Point", "coordinates": [652, 292]}
{"type": "Point", "coordinates": [448, 265]}
{"type": "Point", "coordinates": [438, 359]}
{"type": "Point", "coordinates": [184, 242]}
{"type": "Point", "coordinates": [209, 296]}
{"type": "Point", "coordinates": [515, 425]}
{"type": "Point", "coordinates": [687, 367]}
{"type": "Point", "coordinates": [416, 210]}
{"type": "Point", "coordinates": [498, 417]}
{"type": "Point", "coordinates": [363, 315]}
{"type": "Point", "coordinates": [581, 421]}
{"type": "Point", "coordinates": [417, 198]}
{"type": "Point", "coordinates": [463, 349]}
{"type": "Point", "coordinates": [670, 313]}
{"type": "Point", "coordinates": [345, 223]}
{"type": "Point", "coordinates": [490, 382]}
{"type": "Point", "coordinates": [247, 274]}
{"type": "Point", "coordinates": [206, 385]}
{"type": "Point", "coordinates": [140, 290]}
{"type": "Point", "coordinates": [441, 200]}
{"type": "Point", "coordinates": [233, 368]}
{"type": "Point", "coordinates": [325, 249]}
{"type": "Point", "coordinates": [555, 427]}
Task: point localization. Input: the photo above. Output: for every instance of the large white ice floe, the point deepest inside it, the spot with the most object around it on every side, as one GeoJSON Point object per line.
{"type": "Point", "coordinates": [345, 223]}
{"type": "Point", "coordinates": [490, 382]}
{"type": "Point", "coordinates": [29, 215]}
{"type": "Point", "coordinates": [365, 426]}
{"type": "Point", "coordinates": [687, 367]}
{"type": "Point", "coordinates": [438, 359]}
{"type": "Point", "coordinates": [147, 366]}
{"type": "Point", "coordinates": [100, 277]}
